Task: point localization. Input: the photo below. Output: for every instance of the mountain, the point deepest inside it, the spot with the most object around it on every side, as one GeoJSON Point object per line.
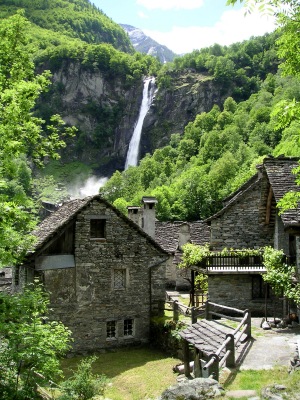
{"type": "Point", "coordinates": [145, 44]}
{"type": "Point", "coordinates": [73, 18]}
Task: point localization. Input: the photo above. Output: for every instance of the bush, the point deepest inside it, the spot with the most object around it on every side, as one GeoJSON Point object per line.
{"type": "Point", "coordinates": [83, 385]}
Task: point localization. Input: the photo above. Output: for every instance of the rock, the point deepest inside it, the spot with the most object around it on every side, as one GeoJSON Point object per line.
{"type": "Point", "coordinates": [269, 393]}
{"type": "Point", "coordinates": [266, 325]}
{"type": "Point", "coordinates": [237, 394]}
{"type": "Point", "coordinates": [196, 389]}
{"type": "Point", "coordinates": [279, 387]}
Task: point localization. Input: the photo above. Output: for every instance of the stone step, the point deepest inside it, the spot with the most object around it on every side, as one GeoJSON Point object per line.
{"type": "Point", "coordinates": [239, 394]}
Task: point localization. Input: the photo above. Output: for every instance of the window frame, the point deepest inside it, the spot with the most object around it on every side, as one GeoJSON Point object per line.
{"type": "Point", "coordinates": [111, 329]}
{"type": "Point", "coordinates": [128, 321]}
{"type": "Point", "coordinates": [124, 278]}
{"type": "Point", "coordinates": [98, 229]}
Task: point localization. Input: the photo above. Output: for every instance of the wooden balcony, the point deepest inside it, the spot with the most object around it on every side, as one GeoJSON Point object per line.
{"type": "Point", "coordinates": [219, 263]}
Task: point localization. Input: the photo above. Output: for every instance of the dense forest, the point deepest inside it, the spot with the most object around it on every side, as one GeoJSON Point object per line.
{"type": "Point", "coordinates": [217, 150]}
{"type": "Point", "coordinates": [217, 153]}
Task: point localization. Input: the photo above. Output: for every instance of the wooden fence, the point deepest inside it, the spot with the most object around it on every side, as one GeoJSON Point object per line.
{"type": "Point", "coordinates": [180, 309]}
{"type": "Point", "coordinates": [215, 362]}
{"type": "Point", "coordinates": [211, 364]}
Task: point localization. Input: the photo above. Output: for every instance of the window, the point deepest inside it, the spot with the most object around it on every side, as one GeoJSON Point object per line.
{"type": "Point", "coordinates": [128, 327]}
{"type": "Point", "coordinates": [259, 287]}
{"type": "Point", "coordinates": [119, 278]}
{"type": "Point", "coordinates": [111, 329]}
{"type": "Point", "coordinates": [97, 228]}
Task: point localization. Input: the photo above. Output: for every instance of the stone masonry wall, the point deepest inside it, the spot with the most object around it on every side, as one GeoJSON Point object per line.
{"type": "Point", "coordinates": [235, 291]}
{"type": "Point", "coordinates": [242, 224]}
{"type": "Point", "coordinates": [85, 298]}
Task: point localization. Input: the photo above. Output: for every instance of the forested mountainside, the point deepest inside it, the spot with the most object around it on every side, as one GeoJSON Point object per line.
{"type": "Point", "coordinates": [74, 18]}
{"type": "Point", "coordinates": [146, 44]}
{"type": "Point", "coordinates": [211, 113]}
{"type": "Point", "coordinates": [217, 153]}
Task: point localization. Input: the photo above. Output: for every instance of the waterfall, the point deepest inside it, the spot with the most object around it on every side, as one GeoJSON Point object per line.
{"type": "Point", "coordinates": [133, 151]}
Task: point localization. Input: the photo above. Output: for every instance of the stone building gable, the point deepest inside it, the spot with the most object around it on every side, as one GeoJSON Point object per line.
{"type": "Point", "coordinates": [56, 222]}
{"type": "Point", "coordinates": [242, 222]}
{"type": "Point", "coordinates": [116, 281]}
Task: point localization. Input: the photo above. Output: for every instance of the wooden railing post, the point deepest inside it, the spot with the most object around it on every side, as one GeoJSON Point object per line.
{"type": "Point", "coordinates": [197, 364]}
{"type": "Point", "coordinates": [248, 322]}
{"type": "Point", "coordinates": [186, 358]}
{"type": "Point", "coordinates": [207, 314]}
{"type": "Point", "coordinates": [175, 310]}
{"type": "Point", "coordinates": [230, 361]}
{"type": "Point", "coordinates": [193, 315]}
{"type": "Point", "coordinates": [212, 367]}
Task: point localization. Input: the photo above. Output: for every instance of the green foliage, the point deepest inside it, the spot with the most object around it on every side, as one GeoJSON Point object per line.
{"type": "Point", "coordinates": [22, 135]}
{"type": "Point", "coordinates": [201, 283]}
{"type": "Point", "coordinates": [74, 18]}
{"type": "Point", "coordinates": [280, 275]}
{"type": "Point", "coordinates": [239, 67]}
{"type": "Point", "coordinates": [83, 385]}
{"type": "Point", "coordinates": [193, 255]}
{"type": "Point", "coordinates": [30, 344]}
{"type": "Point", "coordinates": [217, 153]}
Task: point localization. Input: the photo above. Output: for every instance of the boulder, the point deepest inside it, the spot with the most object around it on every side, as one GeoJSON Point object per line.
{"type": "Point", "coordinates": [195, 389]}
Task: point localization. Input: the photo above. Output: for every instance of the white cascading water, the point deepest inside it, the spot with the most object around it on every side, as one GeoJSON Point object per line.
{"type": "Point", "coordinates": [133, 151]}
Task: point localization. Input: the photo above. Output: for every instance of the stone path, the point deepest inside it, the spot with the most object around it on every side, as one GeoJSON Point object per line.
{"type": "Point", "coordinates": [269, 348]}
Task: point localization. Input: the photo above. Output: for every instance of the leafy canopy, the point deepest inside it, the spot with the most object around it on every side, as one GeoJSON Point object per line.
{"type": "Point", "coordinates": [30, 344]}
{"type": "Point", "coordinates": [23, 136]}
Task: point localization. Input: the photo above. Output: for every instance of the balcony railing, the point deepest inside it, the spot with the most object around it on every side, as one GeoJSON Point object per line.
{"type": "Point", "coordinates": [233, 263]}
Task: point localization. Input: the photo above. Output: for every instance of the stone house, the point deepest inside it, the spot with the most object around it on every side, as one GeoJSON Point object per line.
{"type": "Point", "coordinates": [250, 219]}
{"type": "Point", "coordinates": [105, 274]}
{"type": "Point", "coordinates": [172, 236]}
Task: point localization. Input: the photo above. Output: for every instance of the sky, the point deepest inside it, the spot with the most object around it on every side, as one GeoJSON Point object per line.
{"type": "Point", "coordinates": [186, 25]}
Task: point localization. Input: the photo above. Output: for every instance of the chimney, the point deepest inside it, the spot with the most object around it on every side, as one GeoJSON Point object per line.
{"type": "Point", "coordinates": [184, 234]}
{"type": "Point", "coordinates": [148, 221]}
{"type": "Point", "coordinates": [135, 214]}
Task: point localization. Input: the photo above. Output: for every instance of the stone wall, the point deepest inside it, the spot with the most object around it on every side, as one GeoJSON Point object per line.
{"type": "Point", "coordinates": [86, 298]}
{"type": "Point", "coordinates": [242, 224]}
{"type": "Point", "coordinates": [235, 290]}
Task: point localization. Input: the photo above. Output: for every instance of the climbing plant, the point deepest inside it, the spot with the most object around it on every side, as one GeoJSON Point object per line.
{"type": "Point", "coordinates": [280, 275]}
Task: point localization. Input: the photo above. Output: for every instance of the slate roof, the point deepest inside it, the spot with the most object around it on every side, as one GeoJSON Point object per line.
{"type": "Point", "coordinates": [167, 234]}
{"type": "Point", "coordinates": [207, 336]}
{"type": "Point", "coordinates": [56, 222]}
{"type": "Point", "coordinates": [282, 180]}
{"type": "Point", "coordinates": [280, 175]}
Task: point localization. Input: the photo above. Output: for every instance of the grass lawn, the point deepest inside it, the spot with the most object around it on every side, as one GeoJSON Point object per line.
{"type": "Point", "coordinates": [257, 380]}
{"type": "Point", "coordinates": [135, 373]}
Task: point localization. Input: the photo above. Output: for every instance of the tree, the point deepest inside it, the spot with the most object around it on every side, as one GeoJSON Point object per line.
{"type": "Point", "coordinates": [22, 134]}
{"type": "Point", "coordinates": [30, 345]}
{"type": "Point", "coordinates": [285, 112]}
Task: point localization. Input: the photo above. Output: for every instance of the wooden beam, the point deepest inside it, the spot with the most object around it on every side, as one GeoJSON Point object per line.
{"type": "Point", "coordinates": [269, 205]}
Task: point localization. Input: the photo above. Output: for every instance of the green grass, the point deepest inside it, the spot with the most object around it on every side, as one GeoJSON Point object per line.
{"type": "Point", "coordinates": [257, 380]}
{"type": "Point", "coordinates": [134, 373]}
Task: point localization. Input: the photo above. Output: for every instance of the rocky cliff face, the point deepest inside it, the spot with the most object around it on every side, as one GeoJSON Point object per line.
{"type": "Point", "coordinates": [174, 107]}
{"type": "Point", "coordinates": [102, 108]}
{"type": "Point", "coordinates": [105, 111]}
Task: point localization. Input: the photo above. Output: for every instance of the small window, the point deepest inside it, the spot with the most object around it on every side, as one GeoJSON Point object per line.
{"type": "Point", "coordinates": [259, 288]}
{"type": "Point", "coordinates": [128, 327]}
{"type": "Point", "coordinates": [111, 329]}
{"type": "Point", "coordinates": [98, 228]}
{"type": "Point", "coordinates": [119, 278]}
